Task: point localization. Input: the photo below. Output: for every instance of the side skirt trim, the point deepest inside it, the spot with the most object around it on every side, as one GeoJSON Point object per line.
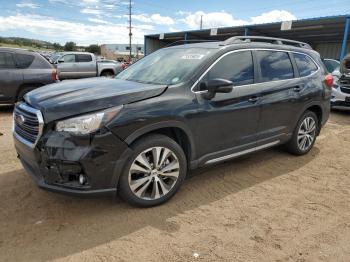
{"type": "Point", "coordinates": [247, 151]}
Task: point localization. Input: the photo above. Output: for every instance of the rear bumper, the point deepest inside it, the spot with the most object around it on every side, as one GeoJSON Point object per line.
{"type": "Point", "coordinates": [58, 160]}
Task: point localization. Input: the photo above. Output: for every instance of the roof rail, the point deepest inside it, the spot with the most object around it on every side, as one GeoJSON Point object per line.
{"type": "Point", "coordinates": [191, 40]}
{"type": "Point", "coordinates": [271, 40]}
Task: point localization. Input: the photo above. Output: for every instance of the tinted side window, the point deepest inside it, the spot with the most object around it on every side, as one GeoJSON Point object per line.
{"type": "Point", "coordinates": [69, 58]}
{"type": "Point", "coordinates": [24, 61]}
{"type": "Point", "coordinates": [6, 61]}
{"type": "Point", "coordinates": [237, 67]}
{"type": "Point", "coordinates": [331, 65]}
{"type": "Point", "coordinates": [84, 58]}
{"type": "Point", "coordinates": [275, 65]}
{"type": "Point", "coordinates": [305, 65]}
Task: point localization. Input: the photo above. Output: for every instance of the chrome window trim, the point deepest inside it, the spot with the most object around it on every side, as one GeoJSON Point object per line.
{"type": "Point", "coordinates": [253, 49]}
{"type": "Point", "coordinates": [40, 127]}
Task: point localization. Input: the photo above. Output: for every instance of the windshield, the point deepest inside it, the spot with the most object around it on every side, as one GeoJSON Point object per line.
{"type": "Point", "coordinates": [166, 66]}
{"type": "Point", "coordinates": [54, 57]}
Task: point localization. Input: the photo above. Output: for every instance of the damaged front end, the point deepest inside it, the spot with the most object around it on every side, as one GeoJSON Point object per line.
{"type": "Point", "coordinates": [64, 162]}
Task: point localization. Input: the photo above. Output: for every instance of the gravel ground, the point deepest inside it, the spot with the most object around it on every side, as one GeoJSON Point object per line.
{"type": "Point", "coordinates": [268, 206]}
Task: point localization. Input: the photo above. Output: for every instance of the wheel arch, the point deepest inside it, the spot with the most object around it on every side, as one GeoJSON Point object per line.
{"type": "Point", "coordinates": [23, 87]}
{"type": "Point", "coordinates": [107, 70]}
{"type": "Point", "coordinates": [175, 130]}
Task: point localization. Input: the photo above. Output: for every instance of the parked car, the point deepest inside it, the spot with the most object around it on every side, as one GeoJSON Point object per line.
{"type": "Point", "coordinates": [341, 89]}
{"type": "Point", "coordinates": [73, 65]}
{"type": "Point", "coordinates": [53, 57]}
{"type": "Point", "coordinates": [22, 71]}
{"type": "Point", "coordinates": [177, 109]}
{"type": "Point", "coordinates": [331, 64]}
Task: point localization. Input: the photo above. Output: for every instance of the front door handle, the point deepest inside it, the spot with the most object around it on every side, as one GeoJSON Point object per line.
{"type": "Point", "coordinates": [253, 99]}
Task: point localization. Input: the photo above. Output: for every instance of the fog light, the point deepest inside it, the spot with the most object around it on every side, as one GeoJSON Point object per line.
{"type": "Point", "coordinates": [82, 179]}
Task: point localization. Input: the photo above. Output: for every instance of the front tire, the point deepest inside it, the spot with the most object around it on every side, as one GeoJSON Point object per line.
{"type": "Point", "coordinates": [154, 172]}
{"type": "Point", "coordinates": [304, 135]}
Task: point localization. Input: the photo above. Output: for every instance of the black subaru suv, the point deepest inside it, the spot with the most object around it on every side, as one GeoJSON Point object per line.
{"type": "Point", "coordinates": [177, 109]}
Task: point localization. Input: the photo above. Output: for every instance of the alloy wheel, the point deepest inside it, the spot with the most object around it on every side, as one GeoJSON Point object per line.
{"type": "Point", "coordinates": [154, 173]}
{"type": "Point", "coordinates": [306, 133]}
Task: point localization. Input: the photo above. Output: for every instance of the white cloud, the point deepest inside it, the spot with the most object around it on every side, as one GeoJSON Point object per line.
{"type": "Point", "coordinates": [222, 19]}
{"type": "Point", "coordinates": [172, 29]}
{"type": "Point", "coordinates": [273, 16]}
{"type": "Point", "coordinates": [27, 5]}
{"type": "Point", "coordinates": [210, 20]}
{"type": "Point", "coordinates": [154, 19]}
{"type": "Point", "coordinates": [98, 21]}
{"type": "Point", "coordinates": [63, 31]}
{"type": "Point", "coordinates": [91, 11]}
{"type": "Point", "coordinates": [90, 1]}
{"type": "Point", "coordinates": [162, 20]}
{"type": "Point", "coordinates": [141, 18]}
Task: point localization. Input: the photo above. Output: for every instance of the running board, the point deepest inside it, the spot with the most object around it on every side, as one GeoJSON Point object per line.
{"type": "Point", "coordinates": [251, 150]}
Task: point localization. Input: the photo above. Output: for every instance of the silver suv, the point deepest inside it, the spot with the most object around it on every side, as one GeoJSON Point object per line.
{"type": "Point", "coordinates": [22, 71]}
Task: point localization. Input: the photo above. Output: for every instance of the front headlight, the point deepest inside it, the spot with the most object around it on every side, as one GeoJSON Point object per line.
{"type": "Point", "coordinates": [87, 124]}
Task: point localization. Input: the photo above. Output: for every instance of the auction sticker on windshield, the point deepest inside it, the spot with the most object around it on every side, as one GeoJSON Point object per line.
{"type": "Point", "coordinates": [192, 57]}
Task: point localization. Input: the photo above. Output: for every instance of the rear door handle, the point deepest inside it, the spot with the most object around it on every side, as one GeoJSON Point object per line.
{"type": "Point", "coordinates": [297, 88]}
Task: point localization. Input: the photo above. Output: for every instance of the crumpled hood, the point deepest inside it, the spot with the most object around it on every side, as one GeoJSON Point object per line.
{"type": "Point", "coordinates": [74, 97]}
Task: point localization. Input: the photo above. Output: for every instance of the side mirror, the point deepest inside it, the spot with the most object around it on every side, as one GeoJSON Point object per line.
{"type": "Point", "coordinates": [60, 60]}
{"type": "Point", "coordinates": [216, 85]}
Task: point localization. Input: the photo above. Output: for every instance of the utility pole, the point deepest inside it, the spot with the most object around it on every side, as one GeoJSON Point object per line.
{"type": "Point", "coordinates": [201, 26]}
{"type": "Point", "coordinates": [130, 33]}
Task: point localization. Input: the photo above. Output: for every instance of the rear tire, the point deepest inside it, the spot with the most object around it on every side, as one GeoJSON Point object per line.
{"type": "Point", "coordinates": [154, 172]}
{"type": "Point", "coordinates": [304, 135]}
{"type": "Point", "coordinates": [108, 74]}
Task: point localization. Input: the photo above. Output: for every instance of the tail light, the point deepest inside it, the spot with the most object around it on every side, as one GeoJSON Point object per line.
{"type": "Point", "coordinates": [54, 76]}
{"type": "Point", "coordinates": [328, 80]}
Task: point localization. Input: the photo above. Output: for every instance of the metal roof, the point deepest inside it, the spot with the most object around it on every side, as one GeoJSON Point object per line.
{"type": "Point", "coordinates": [312, 30]}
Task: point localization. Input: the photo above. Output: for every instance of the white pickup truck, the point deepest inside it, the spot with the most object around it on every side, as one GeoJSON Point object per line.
{"type": "Point", "coordinates": [72, 65]}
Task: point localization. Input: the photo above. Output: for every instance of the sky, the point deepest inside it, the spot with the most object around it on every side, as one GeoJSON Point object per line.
{"type": "Point", "coordinates": [106, 21]}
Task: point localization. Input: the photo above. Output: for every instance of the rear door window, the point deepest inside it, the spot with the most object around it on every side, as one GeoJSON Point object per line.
{"type": "Point", "coordinates": [84, 58]}
{"type": "Point", "coordinates": [7, 61]}
{"type": "Point", "coordinates": [237, 67]}
{"type": "Point", "coordinates": [23, 60]}
{"type": "Point", "coordinates": [69, 58]}
{"type": "Point", "coordinates": [305, 64]}
{"type": "Point", "coordinates": [275, 65]}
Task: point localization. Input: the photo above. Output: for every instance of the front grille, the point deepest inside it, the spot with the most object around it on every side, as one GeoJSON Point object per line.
{"type": "Point", "coordinates": [345, 81]}
{"type": "Point", "coordinates": [345, 90]}
{"type": "Point", "coordinates": [28, 124]}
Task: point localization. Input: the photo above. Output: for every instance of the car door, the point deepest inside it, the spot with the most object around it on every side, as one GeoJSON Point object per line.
{"type": "Point", "coordinates": [227, 124]}
{"type": "Point", "coordinates": [86, 65]}
{"type": "Point", "coordinates": [279, 95]}
{"type": "Point", "coordinates": [67, 67]}
{"type": "Point", "coordinates": [10, 78]}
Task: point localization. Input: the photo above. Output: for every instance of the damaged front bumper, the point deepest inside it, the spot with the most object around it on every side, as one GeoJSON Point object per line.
{"type": "Point", "coordinates": [59, 159]}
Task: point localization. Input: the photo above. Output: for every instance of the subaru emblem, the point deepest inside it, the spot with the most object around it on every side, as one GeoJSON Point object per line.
{"type": "Point", "coordinates": [20, 119]}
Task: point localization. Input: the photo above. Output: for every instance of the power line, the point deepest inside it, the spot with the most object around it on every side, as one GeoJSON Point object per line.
{"type": "Point", "coordinates": [130, 33]}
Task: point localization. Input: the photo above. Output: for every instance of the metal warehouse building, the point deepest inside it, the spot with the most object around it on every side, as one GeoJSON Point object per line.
{"type": "Point", "coordinates": [327, 35]}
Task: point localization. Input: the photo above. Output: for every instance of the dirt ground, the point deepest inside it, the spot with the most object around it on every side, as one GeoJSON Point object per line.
{"type": "Point", "coordinates": [268, 206]}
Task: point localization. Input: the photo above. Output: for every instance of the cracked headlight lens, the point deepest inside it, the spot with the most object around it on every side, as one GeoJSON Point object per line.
{"type": "Point", "coordinates": [86, 124]}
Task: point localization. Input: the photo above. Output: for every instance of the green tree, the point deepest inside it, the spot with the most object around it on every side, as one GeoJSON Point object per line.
{"type": "Point", "coordinates": [57, 46]}
{"type": "Point", "coordinates": [70, 46]}
{"type": "Point", "coordinates": [93, 49]}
